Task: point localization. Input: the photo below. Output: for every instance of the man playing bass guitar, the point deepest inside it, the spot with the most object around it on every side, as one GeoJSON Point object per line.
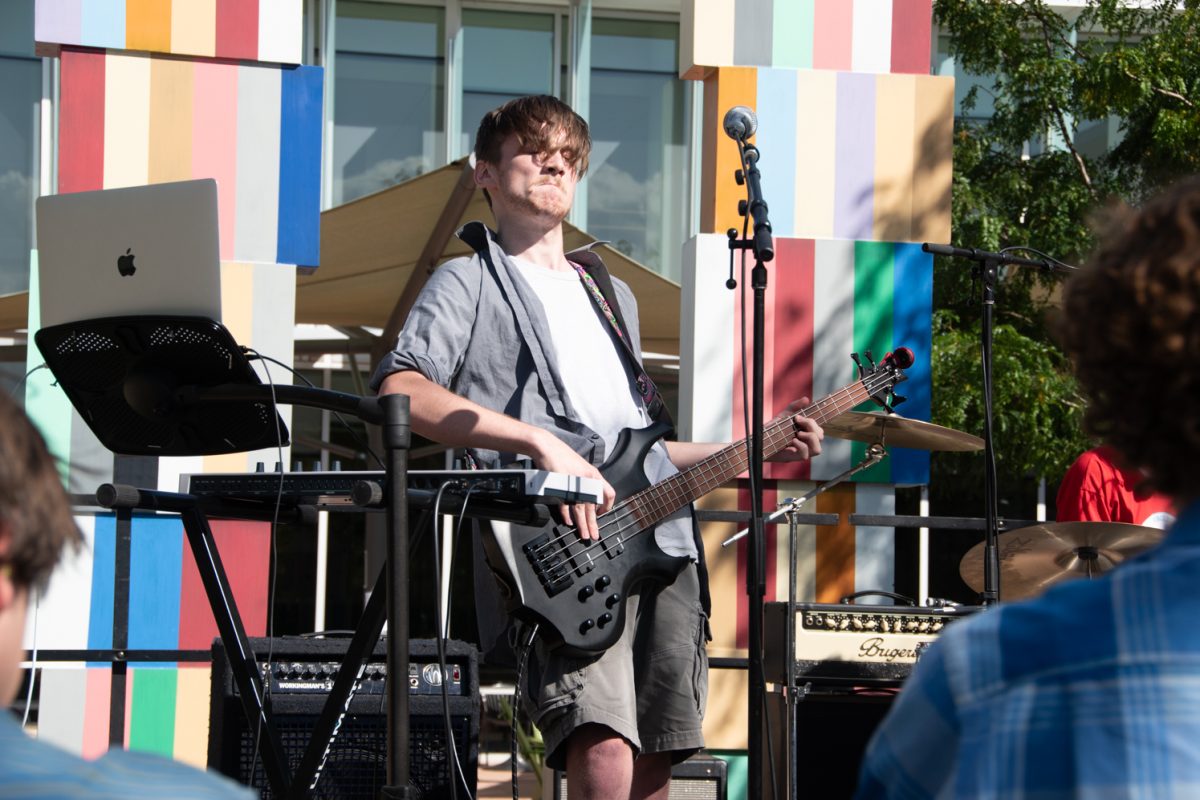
{"type": "Point", "coordinates": [524, 351]}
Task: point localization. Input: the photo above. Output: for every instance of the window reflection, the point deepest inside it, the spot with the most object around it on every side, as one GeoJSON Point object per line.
{"type": "Point", "coordinates": [20, 96]}
{"type": "Point", "coordinates": [387, 96]}
{"type": "Point", "coordinates": [637, 185]}
{"type": "Point", "coordinates": [505, 55]}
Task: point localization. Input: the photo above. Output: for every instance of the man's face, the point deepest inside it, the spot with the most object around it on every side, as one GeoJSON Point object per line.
{"type": "Point", "coordinates": [530, 184]}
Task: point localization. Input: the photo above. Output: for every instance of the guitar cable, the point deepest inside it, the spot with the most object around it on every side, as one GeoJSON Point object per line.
{"type": "Point", "coordinates": [522, 662]}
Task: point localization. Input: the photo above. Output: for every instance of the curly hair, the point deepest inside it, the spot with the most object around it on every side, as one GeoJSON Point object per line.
{"type": "Point", "coordinates": [1131, 323]}
{"type": "Point", "coordinates": [35, 513]}
{"type": "Point", "coordinates": [538, 121]}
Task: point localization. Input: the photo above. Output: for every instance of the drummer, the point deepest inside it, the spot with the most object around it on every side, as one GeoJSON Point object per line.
{"type": "Point", "coordinates": [1100, 487]}
{"type": "Point", "coordinates": [1091, 689]}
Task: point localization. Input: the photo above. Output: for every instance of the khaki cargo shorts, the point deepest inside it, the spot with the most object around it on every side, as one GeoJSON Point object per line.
{"type": "Point", "coordinates": [650, 687]}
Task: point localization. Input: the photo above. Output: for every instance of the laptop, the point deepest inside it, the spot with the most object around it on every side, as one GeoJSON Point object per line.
{"type": "Point", "coordinates": [144, 250]}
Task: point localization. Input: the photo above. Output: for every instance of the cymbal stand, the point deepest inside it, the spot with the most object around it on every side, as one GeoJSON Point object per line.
{"type": "Point", "coordinates": [791, 505]}
{"type": "Point", "coordinates": [987, 269]}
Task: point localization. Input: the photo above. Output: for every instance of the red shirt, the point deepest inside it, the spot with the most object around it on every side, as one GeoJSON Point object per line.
{"type": "Point", "coordinates": [1095, 488]}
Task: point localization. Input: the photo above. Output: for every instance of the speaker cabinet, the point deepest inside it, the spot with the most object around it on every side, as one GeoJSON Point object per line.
{"type": "Point", "coordinates": [698, 778]}
{"type": "Point", "coordinates": [300, 673]}
{"type": "Point", "coordinates": [832, 732]}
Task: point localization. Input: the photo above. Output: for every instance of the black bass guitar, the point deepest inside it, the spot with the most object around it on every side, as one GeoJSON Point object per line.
{"type": "Point", "coordinates": [575, 590]}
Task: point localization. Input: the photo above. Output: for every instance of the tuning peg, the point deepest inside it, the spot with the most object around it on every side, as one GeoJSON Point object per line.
{"type": "Point", "coordinates": [897, 398]}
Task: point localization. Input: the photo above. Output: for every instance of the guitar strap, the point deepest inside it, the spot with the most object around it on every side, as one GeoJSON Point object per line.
{"type": "Point", "coordinates": [599, 286]}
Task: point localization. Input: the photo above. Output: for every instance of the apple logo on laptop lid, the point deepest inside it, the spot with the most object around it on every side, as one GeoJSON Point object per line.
{"type": "Point", "coordinates": [125, 263]}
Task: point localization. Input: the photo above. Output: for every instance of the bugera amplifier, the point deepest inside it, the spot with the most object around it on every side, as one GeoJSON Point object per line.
{"type": "Point", "coordinates": [852, 644]}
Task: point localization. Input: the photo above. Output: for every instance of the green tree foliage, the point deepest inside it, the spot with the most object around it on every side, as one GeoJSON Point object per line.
{"type": "Point", "coordinates": [1021, 179]}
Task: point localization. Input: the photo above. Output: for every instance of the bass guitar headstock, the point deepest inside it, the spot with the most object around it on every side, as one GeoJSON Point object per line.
{"type": "Point", "coordinates": [881, 378]}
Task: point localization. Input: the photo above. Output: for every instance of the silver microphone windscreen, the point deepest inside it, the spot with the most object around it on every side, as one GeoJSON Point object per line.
{"type": "Point", "coordinates": [740, 123]}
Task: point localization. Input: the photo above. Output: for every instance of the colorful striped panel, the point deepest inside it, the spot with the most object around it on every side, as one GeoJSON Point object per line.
{"type": "Point", "coordinates": [128, 120]}
{"type": "Point", "coordinates": [831, 561]}
{"type": "Point", "coordinates": [825, 299]}
{"type": "Point", "coordinates": [167, 606]}
{"type": "Point", "coordinates": [167, 710]}
{"type": "Point", "coordinates": [244, 30]}
{"type": "Point", "coordinates": [856, 35]}
{"type": "Point", "coordinates": [845, 155]}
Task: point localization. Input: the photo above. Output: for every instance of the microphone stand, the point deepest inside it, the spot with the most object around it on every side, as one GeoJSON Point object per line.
{"type": "Point", "coordinates": [764, 251]}
{"type": "Point", "coordinates": [987, 267]}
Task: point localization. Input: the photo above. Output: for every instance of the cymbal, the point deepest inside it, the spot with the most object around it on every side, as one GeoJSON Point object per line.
{"type": "Point", "coordinates": [1034, 557]}
{"type": "Point", "coordinates": [893, 429]}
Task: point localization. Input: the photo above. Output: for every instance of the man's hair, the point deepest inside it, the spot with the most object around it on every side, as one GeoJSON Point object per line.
{"type": "Point", "coordinates": [1131, 322]}
{"type": "Point", "coordinates": [538, 122]}
{"type": "Point", "coordinates": [35, 514]}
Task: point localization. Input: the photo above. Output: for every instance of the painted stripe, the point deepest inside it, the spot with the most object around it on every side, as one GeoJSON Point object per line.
{"type": "Point", "coordinates": [895, 148]}
{"type": "Point", "coordinates": [706, 344]}
{"type": "Point", "coordinates": [299, 231]}
{"type": "Point", "coordinates": [722, 570]}
{"type": "Point", "coordinates": [742, 629]}
{"type": "Point", "coordinates": [777, 141]}
{"type": "Point", "coordinates": [214, 147]}
{"type": "Point", "coordinates": [192, 714]}
{"type": "Point", "coordinates": [723, 89]}
{"type": "Point", "coordinates": [793, 34]}
{"type": "Point", "coordinates": [816, 141]}
{"type": "Point", "coordinates": [872, 43]}
{"type": "Point", "coordinates": [67, 599]}
{"type": "Point", "coordinates": [874, 281]}
{"type": "Point", "coordinates": [912, 323]}
{"type": "Point", "coordinates": [912, 30]}
{"type": "Point", "coordinates": [751, 31]}
{"type": "Point", "coordinates": [833, 22]}
{"type": "Point", "coordinates": [104, 553]}
{"type": "Point", "coordinates": [45, 401]}
{"type": "Point", "coordinates": [96, 718]}
{"type": "Point", "coordinates": [855, 156]}
{"type": "Point", "coordinates": [60, 707]}
{"type": "Point", "coordinates": [805, 548]}
{"type": "Point", "coordinates": [244, 548]}
{"type": "Point", "coordinates": [237, 29]}
{"type": "Point", "coordinates": [155, 559]}
{"type": "Point", "coordinates": [933, 161]}
{"type": "Point", "coordinates": [833, 332]}
{"type": "Point", "coordinates": [793, 335]}
{"type": "Point", "coordinates": [57, 21]}
{"type": "Point", "coordinates": [194, 27]}
{"type": "Point", "coordinates": [834, 565]}
{"type": "Point", "coordinates": [705, 39]}
{"type": "Point", "coordinates": [280, 31]}
{"type": "Point", "coordinates": [81, 121]}
{"type": "Point", "coordinates": [152, 716]}
{"type": "Point", "coordinates": [257, 220]}
{"type": "Point", "coordinates": [171, 123]}
{"type": "Point", "coordinates": [874, 546]}
{"type": "Point", "coordinates": [103, 24]}
{"type": "Point", "coordinates": [148, 25]}
{"type": "Point", "coordinates": [126, 121]}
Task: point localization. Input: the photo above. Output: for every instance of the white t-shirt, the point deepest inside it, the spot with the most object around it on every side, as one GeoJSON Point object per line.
{"type": "Point", "coordinates": [599, 381]}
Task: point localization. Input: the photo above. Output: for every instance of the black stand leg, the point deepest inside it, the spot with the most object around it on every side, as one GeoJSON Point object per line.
{"type": "Point", "coordinates": [119, 687]}
{"type": "Point", "coordinates": [991, 558]}
{"type": "Point", "coordinates": [755, 563]}
{"type": "Point", "coordinates": [396, 440]}
{"type": "Point", "coordinates": [242, 663]}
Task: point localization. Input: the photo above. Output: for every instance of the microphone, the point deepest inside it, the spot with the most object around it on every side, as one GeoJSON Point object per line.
{"type": "Point", "coordinates": [740, 123]}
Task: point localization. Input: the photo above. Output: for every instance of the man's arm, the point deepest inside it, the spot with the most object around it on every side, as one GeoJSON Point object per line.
{"type": "Point", "coordinates": [443, 416]}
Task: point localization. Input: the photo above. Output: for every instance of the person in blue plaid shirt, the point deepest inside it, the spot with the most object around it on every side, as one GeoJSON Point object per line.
{"type": "Point", "coordinates": [1093, 689]}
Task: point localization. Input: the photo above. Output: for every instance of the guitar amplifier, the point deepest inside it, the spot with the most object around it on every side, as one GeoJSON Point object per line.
{"type": "Point", "coordinates": [852, 644]}
{"type": "Point", "coordinates": [300, 674]}
{"type": "Point", "coordinates": [698, 778]}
